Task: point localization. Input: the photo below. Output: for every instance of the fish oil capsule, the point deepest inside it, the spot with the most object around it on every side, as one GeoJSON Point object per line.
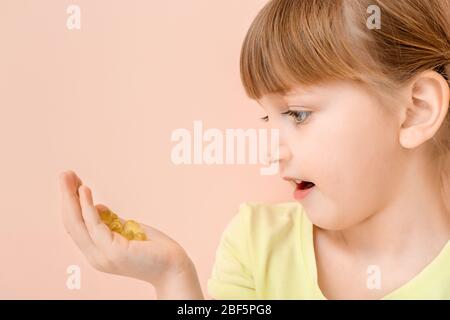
{"type": "Point", "coordinates": [140, 236]}
{"type": "Point", "coordinates": [127, 234]}
{"type": "Point", "coordinates": [115, 225]}
{"type": "Point", "coordinates": [133, 228]}
{"type": "Point", "coordinates": [106, 216]}
{"type": "Point", "coordinates": [131, 225]}
{"type": "Point", "coordinates": [130, 229]}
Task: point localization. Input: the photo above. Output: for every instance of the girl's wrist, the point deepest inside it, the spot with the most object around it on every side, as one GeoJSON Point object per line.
{"type": "Point", "coordinates": [182, 286]}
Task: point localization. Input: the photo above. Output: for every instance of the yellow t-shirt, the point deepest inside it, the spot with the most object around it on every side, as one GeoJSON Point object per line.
{"type": "Point", "coordinates": [267, 252]}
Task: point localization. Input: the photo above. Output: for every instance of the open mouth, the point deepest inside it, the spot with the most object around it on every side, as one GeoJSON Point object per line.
{"type": "Point", "coordinates": [305, 185]}
{"type": "Point", "coordinates": [302, 187]}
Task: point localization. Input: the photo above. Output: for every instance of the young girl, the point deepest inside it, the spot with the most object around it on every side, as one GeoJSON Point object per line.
{"type": "Point", "coordinates": [359, 92]}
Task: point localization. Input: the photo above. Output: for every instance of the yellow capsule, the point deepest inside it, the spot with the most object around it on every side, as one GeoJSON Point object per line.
{"type": "Point", "coordinates": [140, 236]}
{"type": "Point", "coordinates": [108, 216]}
{"type": "Point", "coordinates": [131, 225]}
{"type": "Point", "coordinates": [130, 229]}
{"type": "Point", "coordinates": [105, 216]}
{"type": "Point", "coordinates": [128, 234]}
{"type": "Point", "coordinates": [115, 225]}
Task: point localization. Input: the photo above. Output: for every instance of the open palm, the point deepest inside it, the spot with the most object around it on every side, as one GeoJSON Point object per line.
{"type": "Point", "coordinates": [154, 260]}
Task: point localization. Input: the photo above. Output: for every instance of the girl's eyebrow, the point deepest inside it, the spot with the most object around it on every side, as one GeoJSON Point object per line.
{"type": "Point", "coordinates": [295, 105]}
{"type": "Point", "coordinates": [303, 96]}
{"type": "Point", "coordinates": [298, 91]}
{"type": "Point", "coordinates": [297, 98]}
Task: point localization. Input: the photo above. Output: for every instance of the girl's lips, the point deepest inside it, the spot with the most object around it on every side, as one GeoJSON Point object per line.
{"type": "Point", "coordinates": [302, 188]}
{"type": "Point", "coordinates": [301, 192]}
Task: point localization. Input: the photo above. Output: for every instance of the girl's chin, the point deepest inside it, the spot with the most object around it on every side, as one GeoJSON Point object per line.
{"type": "Point", "coordinates": [324, 213]}
{"type": "Point", "coordinates": [327, 221]}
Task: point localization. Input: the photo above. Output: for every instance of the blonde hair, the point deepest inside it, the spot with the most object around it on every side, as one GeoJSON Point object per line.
{"type": "Point", "coordinates": [310, 41]}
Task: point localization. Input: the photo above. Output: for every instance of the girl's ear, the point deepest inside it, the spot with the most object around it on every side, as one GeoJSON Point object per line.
{"type": "Point", "coordinates": [426, 109]}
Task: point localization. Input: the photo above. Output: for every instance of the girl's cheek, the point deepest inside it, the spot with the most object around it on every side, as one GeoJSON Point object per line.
{"type": "Point", "coordinates": [340, 164]}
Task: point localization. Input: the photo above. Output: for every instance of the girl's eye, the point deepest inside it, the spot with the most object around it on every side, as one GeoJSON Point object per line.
{"type": "Point", "coordinates": [299, 116]}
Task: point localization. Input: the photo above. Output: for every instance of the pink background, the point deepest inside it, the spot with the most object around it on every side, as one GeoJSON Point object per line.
{"type": "Point", "coordinates": [103, 101]}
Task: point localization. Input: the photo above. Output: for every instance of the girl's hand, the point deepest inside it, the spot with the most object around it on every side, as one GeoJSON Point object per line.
{"type": "Point", "coordinates": [160, 260]}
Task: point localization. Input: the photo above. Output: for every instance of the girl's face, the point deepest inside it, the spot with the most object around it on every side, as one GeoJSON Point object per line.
{"type": "Point", "coordinates": [346, 143]}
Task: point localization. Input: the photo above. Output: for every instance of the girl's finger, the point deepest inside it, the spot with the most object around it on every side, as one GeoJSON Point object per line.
{"type": "Point", "coordinates": [71, 212]}
{"type": "Point", "coordinates": [100, 233]}
{"type": "Point", "coordinates": [101, 207]}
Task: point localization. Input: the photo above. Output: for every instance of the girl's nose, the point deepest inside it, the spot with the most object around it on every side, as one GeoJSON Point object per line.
{"type": "Point", "coordinates": [284, 155]}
